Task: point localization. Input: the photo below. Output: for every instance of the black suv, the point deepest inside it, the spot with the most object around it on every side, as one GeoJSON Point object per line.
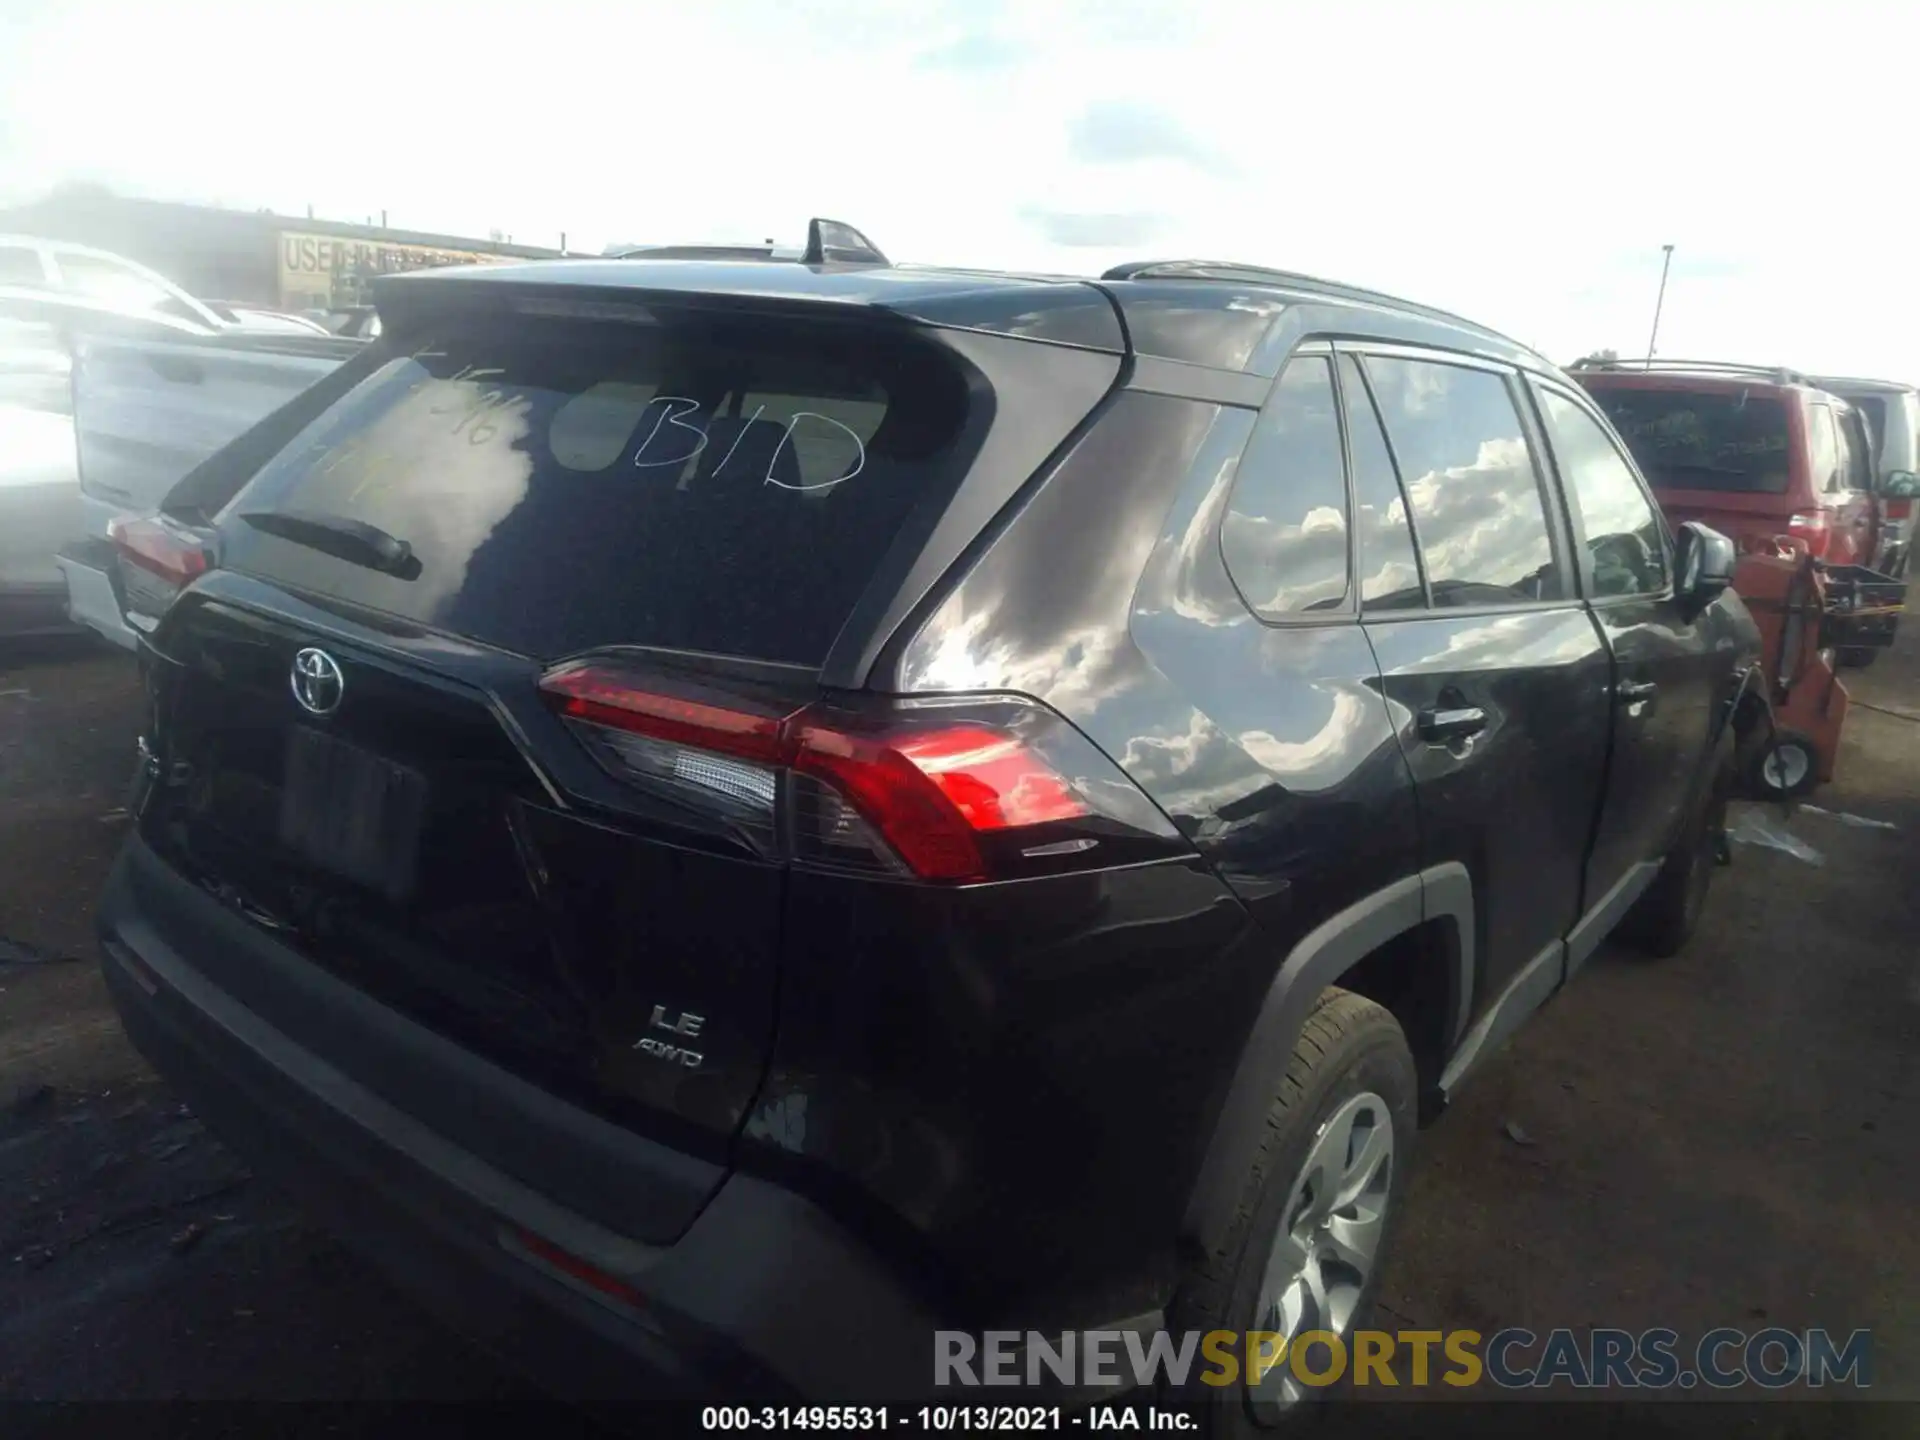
{"type": "Point", "coordinates": [736, 814]}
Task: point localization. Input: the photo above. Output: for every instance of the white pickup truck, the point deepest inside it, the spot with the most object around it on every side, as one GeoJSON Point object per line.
{"type": "Point", "coordinates": [150, 396]}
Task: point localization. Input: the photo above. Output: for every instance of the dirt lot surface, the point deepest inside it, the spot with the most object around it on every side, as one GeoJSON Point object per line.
{"type": "Point", "coordinates": [1725, 1138]}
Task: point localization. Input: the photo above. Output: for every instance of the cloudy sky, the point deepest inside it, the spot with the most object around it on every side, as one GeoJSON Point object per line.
{"type": "Point", "coordinates": [1519, 163]}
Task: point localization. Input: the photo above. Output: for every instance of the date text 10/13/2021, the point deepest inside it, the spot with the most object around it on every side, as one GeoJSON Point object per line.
{"type": "Point", "coordinates": [944, 1419]}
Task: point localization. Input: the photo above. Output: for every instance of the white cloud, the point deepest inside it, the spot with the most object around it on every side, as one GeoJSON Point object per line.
{"type": "Point", "coordinates": [1518, 163]}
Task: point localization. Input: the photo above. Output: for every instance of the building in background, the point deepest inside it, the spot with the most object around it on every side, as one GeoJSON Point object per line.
{"type": "Point", "coordinates": [280, 262]}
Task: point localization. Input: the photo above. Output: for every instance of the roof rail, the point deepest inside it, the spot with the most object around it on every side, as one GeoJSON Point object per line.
{"type": "Point", "coordinates": [1263, 275]}
{"type": "Point", "coordinates": [1862, 382]}
{"type": "Point", "coordinates": [1778, 374]}
{"type": "Point", "coordinates": [829, 242]}
{"type": "Point", "coordinates": [696, 252]}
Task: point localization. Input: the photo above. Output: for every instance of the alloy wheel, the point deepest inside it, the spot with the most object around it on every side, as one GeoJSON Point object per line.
{"type": "Point", "coordinates": [1328, 1239]}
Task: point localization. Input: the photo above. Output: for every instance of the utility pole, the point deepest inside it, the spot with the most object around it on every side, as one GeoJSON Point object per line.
{"type": "Point", "coordinates": [1659, 300]}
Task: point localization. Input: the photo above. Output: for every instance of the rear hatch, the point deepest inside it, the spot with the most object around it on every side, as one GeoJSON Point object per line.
{"type": "Point", "coordinates": [398, 720]}
{"type": "Point", "coordinates": [1718, 452]}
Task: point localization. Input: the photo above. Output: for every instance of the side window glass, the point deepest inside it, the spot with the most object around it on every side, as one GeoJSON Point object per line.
{"type": "Point", "coordinates": [1389, 574]}
{"type": "Point", "coordinates": [1285, 534]}
{"type": "Point", "coordinates": [1469, 476]}
{"type": "Point", "coordinates": [1823, 446]}
{"type": "Point", "coordinates": [102, 279]}
{"type": "Point", "coordinates": [1855, 470]}
{"type": "Point", "coordinates": [1621, 525]}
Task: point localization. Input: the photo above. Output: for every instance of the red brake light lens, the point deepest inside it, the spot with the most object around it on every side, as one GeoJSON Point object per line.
{"type": "Point", "coordinates": [952, 799]}
{"type": "Point", "coordinates": [572, 1266]}
{"type": "Point", "coordinates": [159, 548]}
{"type": "Point", "coordinates": [994, 781]}
{"type": "Point", "coordinates": [931, 791]}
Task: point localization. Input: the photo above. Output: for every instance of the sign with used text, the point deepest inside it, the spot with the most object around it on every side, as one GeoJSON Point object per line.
{"type": "Point", "coordinates": [317, 271]}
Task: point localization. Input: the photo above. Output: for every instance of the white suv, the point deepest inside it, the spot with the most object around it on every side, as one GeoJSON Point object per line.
{"type": "Point", "coordinates": [1892, 412]}
{"type": "Point", "coordinates": [28, 262]}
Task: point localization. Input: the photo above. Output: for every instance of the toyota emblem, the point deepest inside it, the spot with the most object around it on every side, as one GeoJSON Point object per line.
{"type": "Point", "coordinates": [317, 682]}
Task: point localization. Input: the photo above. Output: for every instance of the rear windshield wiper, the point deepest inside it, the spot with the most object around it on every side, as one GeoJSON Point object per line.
{"type": "Point", "coordinates": [354, 541]}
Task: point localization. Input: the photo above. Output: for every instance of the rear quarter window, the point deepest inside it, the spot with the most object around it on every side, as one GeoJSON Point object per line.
{"type": "Point", "coordinates": [1285, 534]}
{"type": "Point", "coordinates": [564, 486]}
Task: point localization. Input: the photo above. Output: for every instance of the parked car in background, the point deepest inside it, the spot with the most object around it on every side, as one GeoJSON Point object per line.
{"type": "Point", "coordinates": [39, 479]}
{"type": "Point", "coordinates": [1758, 453]}
{"type": "Point", "coordinates": [1753, 451]}
{"type": "Point", "coordinates": [144, 393]}
{"type": "Point", "coordinates": [1892, 412]}
{"type": "Point", "coordinates": [751, 812]}
{"type": "Point", "coordinates": [82, 273]}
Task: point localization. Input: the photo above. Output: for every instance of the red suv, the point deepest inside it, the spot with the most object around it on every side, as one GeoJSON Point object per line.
{"type": "Point", "coordinates": [1753, 452]}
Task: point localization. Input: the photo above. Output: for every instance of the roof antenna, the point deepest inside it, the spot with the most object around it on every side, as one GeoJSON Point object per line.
{"type": "Point", "coordinates": [834, 242]}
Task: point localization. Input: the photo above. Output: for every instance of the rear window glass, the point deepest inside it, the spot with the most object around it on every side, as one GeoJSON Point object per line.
{"type": "Point", "coordinates": [574, 485]}
{"type": "Point", "coordinates": [1735, 442]}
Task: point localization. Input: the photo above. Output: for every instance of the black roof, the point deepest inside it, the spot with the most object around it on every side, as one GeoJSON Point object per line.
{"type": "Point", "coordinates": [1229, 317]}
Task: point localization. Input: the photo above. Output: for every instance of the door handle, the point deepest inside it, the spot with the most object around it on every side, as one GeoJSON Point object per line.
{"type": "Point", "coordinates": [1439, 727]}
{"type": "Point", "coordinates": [1631, 692]}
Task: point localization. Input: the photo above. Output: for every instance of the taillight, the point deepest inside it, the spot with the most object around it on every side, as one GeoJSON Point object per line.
{"type": "Point", "coordinates": [1814, 529]}
{"type": "Point", "coordinates": [717, 756]}
{"type": "Point", "coordinates": [161, 558]}
{"type": "Point", "coordinates": [946, 790]}
{"type": "Point", "coordinates": [932, 790]}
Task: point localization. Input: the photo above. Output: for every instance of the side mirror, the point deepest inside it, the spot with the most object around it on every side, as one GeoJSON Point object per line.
{"type": "Point", "coordinates": [1901, 485]}
{"type": "Point", "coordinates": [1705, 559]}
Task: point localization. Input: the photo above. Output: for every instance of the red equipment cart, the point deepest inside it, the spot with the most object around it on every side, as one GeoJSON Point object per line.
{"type": "Point", "coordinates": [1805, 610]}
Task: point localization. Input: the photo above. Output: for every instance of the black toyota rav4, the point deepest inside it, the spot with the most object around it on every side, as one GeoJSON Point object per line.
{"type": "Point", "coordinates": [718, 818]}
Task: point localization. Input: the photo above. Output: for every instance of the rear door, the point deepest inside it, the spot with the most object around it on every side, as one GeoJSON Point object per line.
{"type": "Point", "coordinates": [1662, 689]}
{"type": "Point", "coordinates": [1497, 683]}
{"type": "Point", "coordinates": [392, 752]}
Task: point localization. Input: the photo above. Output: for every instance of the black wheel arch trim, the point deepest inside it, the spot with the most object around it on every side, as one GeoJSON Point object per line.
{"type": "Point", "coordinates": [1441, 893]}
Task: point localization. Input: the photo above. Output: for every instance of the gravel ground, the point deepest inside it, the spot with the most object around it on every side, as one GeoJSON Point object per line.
{"type": "Point", "coordinates": [1725, 1138]}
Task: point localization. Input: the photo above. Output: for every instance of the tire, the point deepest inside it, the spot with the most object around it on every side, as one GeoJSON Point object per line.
{"type": "Point", "coordinates": [1664, 919]}
{"type": "Point", "coordinates": [1352, 1070]}
{"type": "Point", "coordinates": [1785, 767]}
{"type": "Point", "coordinates": [1857, 657]}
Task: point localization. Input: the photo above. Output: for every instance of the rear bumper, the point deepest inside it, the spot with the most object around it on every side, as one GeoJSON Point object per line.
{"type": "Point", "coordinates": [92, 594]}
{"type": "Point", "coordinates": [762, 1295]}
